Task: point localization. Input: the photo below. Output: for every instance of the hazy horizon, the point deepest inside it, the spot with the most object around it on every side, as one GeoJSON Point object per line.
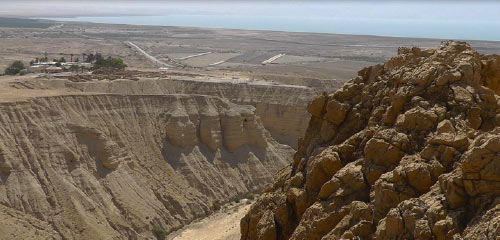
{"type": "Point", "coordinates": [433, 19]}
{"type": "Point", "coordinates": [444, 10]}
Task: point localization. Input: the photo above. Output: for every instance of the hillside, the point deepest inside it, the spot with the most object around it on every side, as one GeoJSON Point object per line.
{"type": "Point", "coordinates": [108, 166]}
{"type": "Point", "coordinates": [409, 149]}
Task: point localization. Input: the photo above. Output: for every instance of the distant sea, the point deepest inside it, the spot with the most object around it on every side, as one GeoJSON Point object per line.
{"type": "Point", "coordinates": [442, 29]}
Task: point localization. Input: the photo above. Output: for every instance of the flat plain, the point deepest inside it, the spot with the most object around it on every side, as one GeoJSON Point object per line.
{"type": "Point", "coordinates": [308, 58]}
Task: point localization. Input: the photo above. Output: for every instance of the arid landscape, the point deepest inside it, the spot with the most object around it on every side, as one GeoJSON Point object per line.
{"type": "Point", "coordinates": [240, 134]}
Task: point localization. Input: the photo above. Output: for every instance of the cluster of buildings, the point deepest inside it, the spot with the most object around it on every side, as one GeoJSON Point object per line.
{"type": "Point", "coordinates": [56, 67]}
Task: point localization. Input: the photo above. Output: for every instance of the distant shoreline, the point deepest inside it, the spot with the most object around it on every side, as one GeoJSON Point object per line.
{"type": "Point", "coordinates": [43, 21]}
{"type": "Point", "coordinates": [462, 31]}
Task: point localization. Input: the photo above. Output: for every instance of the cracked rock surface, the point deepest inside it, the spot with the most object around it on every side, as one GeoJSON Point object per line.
{"type": "Point", "coordinates": [409, 149]}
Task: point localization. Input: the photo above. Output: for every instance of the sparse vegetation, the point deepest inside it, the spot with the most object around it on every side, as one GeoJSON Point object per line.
{"type": "Point", "coordinates": [216, 206]}
{"type": "Point", "coordinates": [159, 232]}
{"type": "Point", "coordinates": [250, 196]}
{"type": "Point", "coordinates": [110, 62]}
{"type": "Point", "coordinates": [15, 68]}
{"type": "Point", "coordinates": [101, 62]}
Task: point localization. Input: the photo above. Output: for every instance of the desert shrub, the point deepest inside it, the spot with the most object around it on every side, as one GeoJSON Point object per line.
{"type": "Point", "coordinates": [14, 68]}
{"type": "Point", "coordinates": [159, 233]}
{"type": "Point", "coordinates": [217, 206]}
{"type": "Point", "coordinates": [251, 196]}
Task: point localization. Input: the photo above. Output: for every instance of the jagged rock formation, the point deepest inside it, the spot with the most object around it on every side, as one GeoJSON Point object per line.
{"type": "Point", "coordinates": [406, 150]}
{"type": "Point", "coordinates": [282, 109]}
{"type": "Point", "coordinates": [112, 166]}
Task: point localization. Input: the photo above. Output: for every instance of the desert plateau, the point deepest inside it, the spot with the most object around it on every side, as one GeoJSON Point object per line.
{"type": "Point", "coordinates": [116, 131]}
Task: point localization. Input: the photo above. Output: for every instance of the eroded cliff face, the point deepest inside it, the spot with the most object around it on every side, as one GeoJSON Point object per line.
{"type": "Point", "coordinates": [407, 150]}
{"type": "Point", "coordinates": [112, 166]}
{"type": "Point", "coordinates": [282, 109]}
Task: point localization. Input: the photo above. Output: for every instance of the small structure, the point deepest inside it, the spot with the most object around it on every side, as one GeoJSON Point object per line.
{"type": "Point", "coordinates": [272, 59]}
{"type": "Point", "coordinates": [44, 63]}
{"type": "Point", "coordinates": [80, 64]}
{"type": "Point", "coordinates": [53, 69]}
{"type": "Point", "coordinates": [37, 68]}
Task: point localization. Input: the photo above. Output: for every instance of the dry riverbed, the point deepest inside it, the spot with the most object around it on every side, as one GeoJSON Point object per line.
{"type": "Point", "coordinates": [223, 225]}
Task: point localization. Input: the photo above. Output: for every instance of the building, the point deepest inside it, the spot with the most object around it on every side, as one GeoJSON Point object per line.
{"type": "Point", "coordinates": [37, 68]}
{"type": "Point", "coordinates": [54, 69]}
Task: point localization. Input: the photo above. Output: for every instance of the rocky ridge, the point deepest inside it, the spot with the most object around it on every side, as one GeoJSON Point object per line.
{"type": "Point", "coordinates": [281, 108]}
{"type": "Point", "coordinates": [113, 166]}
{"type": "Point", "coordinates": [409, 149]}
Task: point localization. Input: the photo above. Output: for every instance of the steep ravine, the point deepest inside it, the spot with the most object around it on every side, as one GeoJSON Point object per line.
{"type": "Point", "coordinates": [112, 166]}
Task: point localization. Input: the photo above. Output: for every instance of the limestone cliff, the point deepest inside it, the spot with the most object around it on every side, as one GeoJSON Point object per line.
{"type": "Point", "coordinates": [112, 166]}
{"type": "Point", "coordinates": [282, 109]}
{"type": "Point", "coordinates": [407, 150]}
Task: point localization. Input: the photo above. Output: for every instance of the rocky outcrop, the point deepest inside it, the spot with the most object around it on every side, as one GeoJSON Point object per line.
{"type": "Point", "coordinates": [406, 150]}
{"type": "Point", "coordinates": [113, 166]}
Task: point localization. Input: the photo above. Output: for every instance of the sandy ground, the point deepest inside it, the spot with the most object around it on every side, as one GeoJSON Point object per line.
{"type": "Point", "coordinates": [8, 93]}
{"type": "Point", "coordinates": [224, 225]}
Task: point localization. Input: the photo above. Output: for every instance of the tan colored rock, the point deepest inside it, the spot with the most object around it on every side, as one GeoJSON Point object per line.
{"type": "Point", "coordinates": [445, 127]}
{"type": "Point", "coordinates": [490, 73]}
{"type": "Point", "coordinates": [316, 106]}
{"type": "Point", "coordinates": [112, 166]}
{"type": "Point", "coordinates": [419, 177]}
{"type": "Point", "coordinates": [181, 132]}
{"type": "Point", "coordinates": [417, 119]}
{"type": "Point", "coordinates": [357, 223]}
{"type": "Point", "coordinates": [336, 112]}
{"type": "Point", "coordinates": [255, 132]}
{"type": "Point", "coordinates": [297, 180]}
{"type": "Point", "coordinates": [474, 117]}
{"type": "Point", "coordinates": [417, 150]}
{"type": "Point", "coordinates": [322, 168]}
{"type": "Point", "coordinates": [448, 77]}
{"type": "Point", "coordinates": [329, 187]}
{"type": "Point", "coordinates": [382, 153]}
{"type": "Point", "coordinates": [267, 229]}
{"type": "Point", "coordinates": [210, 131]}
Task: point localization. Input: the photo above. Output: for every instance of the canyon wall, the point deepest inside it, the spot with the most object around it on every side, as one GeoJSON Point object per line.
{"type": "Point", "coordinates": [113, 166]}
{"type": "Point", "coordinates": [282, 108]}
{"type": "Point", "coordinates": [409, 149]}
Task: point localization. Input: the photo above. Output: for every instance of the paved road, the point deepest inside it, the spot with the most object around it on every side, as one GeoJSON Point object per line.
{"type": "Point", "coordinates": [153, 59]}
